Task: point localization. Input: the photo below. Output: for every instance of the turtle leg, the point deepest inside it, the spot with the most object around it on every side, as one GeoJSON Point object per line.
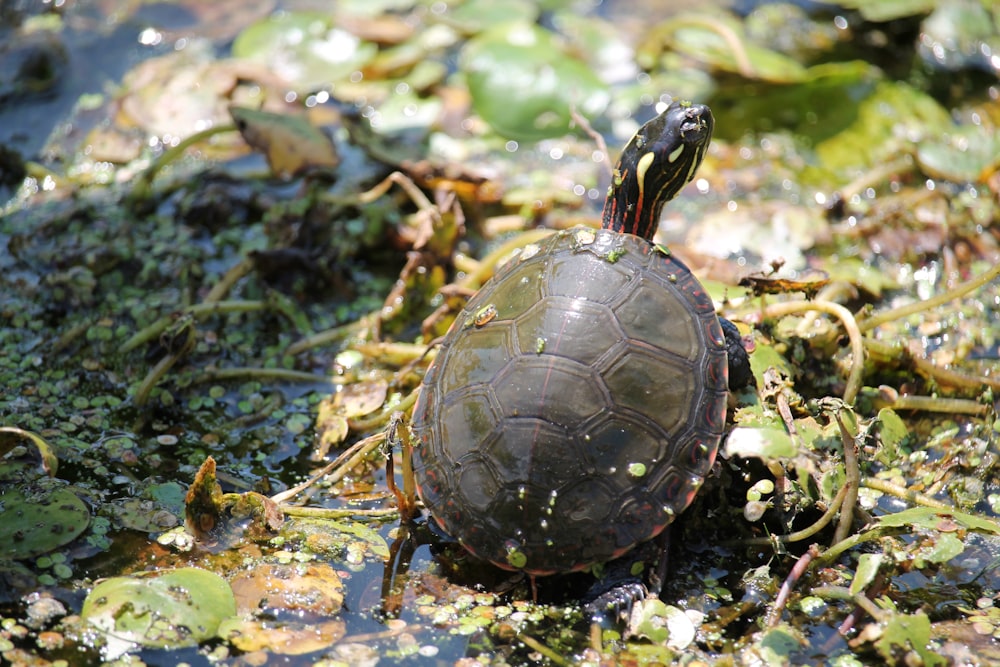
{"type": "Point", "coordinates": [740, 374]}
{"type": "Point", "coordinates": [628, 580]}
{"type": "Point", "coordinates": [406, 499]}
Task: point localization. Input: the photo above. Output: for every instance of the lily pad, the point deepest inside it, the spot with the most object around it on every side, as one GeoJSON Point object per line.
{"type": "Point", "coordinates": [887, 10]}
{"type": "Point", "coordinates": [296, 603]}
{"type": "Point", "coordinates": [37, 523]}
{"type": "Point", "coordinates": [524, 83]}
{"type": "Point", "coordinates": [476, 15]}
{"type": "Point", "coordinates": [159, 610]}
{"type": "Point", "coordinates": [964, 155]}
{"type": "Point", "coordinates": [893, 110]}
{"type": "Point", "coordinates": [719, 41]}
{"type": "Point", "coordinates": [305, 48]}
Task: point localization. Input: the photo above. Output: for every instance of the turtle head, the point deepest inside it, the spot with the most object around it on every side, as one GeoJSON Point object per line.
{"type": "Point", "coordinates": [661, 158]}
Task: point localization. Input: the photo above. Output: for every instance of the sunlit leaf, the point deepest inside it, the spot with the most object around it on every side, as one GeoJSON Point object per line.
{"type": "Point", "coordinates": [893, 111]}
{"type": "Point", "coordinates": [776, 646]}
{"type": "Point", "coordinates": [292, 602]}
{"type": "Point", "coordinates": [649, 620]}
{"type": "Point", "coordinates": [290, 143]}
{"type": "Point", "coordinates": [892, 431]}
{"type": "Point", "coordinates": [524, 84]}
{"type": "Point", "coordinates": [304, 48]}
{"type": "Point", "coordinates": [945, 547]}
{"type": "Point", "coordinates": [475, 15]}
{"type": "Point", "coordinates": [868, 565]}
{"type": "Point", "coordinates": [159, 609]}
{"type": "Point", "coordinates": [721, 42]}
{"type": "Point", "coordinates": [965, 154]}
{"type": "Point", "coordinates": [376, 543]}
{"type": "Point", "coordinates": [929, 517]}
{"type": "Point", "coordinates": [887, 10]}
{"type": "Point", "coordinates": [763, 443]}
{"type": "Point", "coordinates": [908, 632]}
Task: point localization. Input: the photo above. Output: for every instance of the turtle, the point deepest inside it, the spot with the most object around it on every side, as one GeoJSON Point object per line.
{"type": "Point", "coordinates": [577, 403]}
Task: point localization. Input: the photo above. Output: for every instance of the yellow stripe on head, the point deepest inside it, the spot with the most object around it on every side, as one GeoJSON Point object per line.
{"type": "Point", "coordinates": [641, 167]}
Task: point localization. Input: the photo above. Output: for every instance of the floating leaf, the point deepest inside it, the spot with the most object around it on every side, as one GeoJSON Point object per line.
{"type": "Point", "coordinates": [893, 110]}
{"type": "Point", "coordinates": [960, 35]}
{"type": "Point", "coordinates": [294, 602]}
{"type": "Point", "coordinates": [719, 41]}
{"type": "Point", "coordinates": [524, 84]}
{"type": "Point", "coordinates": [945, 547]}
{"type": "Point", "coordinates": [816, 109]}
{"type": "Point", "coordinates": [891, 431]}
{"type": "Point", "coordinates": [284, 638]}
{"type": "Point", "coordinates": [159, 609]}
{"type": "Point", "coordinates": [142, 515]}
{"type": "Point", "coordinates": [37, 523]}
{"type": "Point", "coordinates": [361, 398]}
{"type": "Point", "coordinates": [887, 10]}
{"type": "Point", "coordinates": [765, 357]}
{"type": "Point", "coordinates": [476, 15]}
{"type": "Point", "coordinates": [649, 620]}
{"type": "Point", "coordinates": [908, 633]}
{"type": "Point", "coordinates": [777, 645]}
{"type": "Point", "coordinates": [964, 155]}
{"type": "Point", "coordinates": [274, 588]}
{"type": "Point", "coordinates": [376, 543]}
{"type": "Point", "coordinates": [929, 518]}
{"type": "Point", "coordinates": [304, 48]}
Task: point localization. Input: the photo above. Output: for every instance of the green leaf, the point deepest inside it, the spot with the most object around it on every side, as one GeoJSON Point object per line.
{"type": "Point", "coordinates": [892, 431]}
{"type": "Point", "coordinates": [762, 443]}
{"type": "Point", "coordinates": [37, 523]}
{"type": "Point", "coordinates": [823, 104]}
{"type": "Point", "coordinates": [893, 110]}
{"type": "Point", "coordinates": [930, 518]}
{"type": "Point", "coordinates": [891, 428]}
{"type": "Point", "coordinates": [477, 15]}
{"type": "Point", "coordinates": [524, 83]}
{"type": "Point", "coordinates": [965, 154]}
{"type": "Point", "coordinates": [868, 565]}
{"type": "Point", "coordinates": [777, 645]}
{"type": "Point", "coordinates": [946, 547]}
{"type": "Point", "coordinates": [880, 11]}
{"type": "Point", "coordinates": [304, 48]}
{"type": "Point", "coordinates": [663, 624]}
{"type": "Point", "coordinates": [160, 609]}
{"type": "Point", "coordinates": [908, 632]}
{"type": "Point", "coordinates": [721, 43]}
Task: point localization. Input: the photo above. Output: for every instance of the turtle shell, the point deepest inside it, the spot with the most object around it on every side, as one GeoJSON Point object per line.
{"type": "Point", "coordinates": [575, 405]}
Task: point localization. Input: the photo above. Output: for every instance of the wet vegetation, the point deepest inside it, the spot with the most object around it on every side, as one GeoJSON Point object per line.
{"type": "Point", "coordinates": [232, 231]}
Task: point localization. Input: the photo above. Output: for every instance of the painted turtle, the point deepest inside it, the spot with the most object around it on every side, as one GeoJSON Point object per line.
{"type": "Point", "coordinates": [577, 403]}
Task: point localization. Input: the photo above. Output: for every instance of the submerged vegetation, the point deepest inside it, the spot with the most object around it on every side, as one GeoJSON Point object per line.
{"type": "Point", "coordinates": [224, 268]}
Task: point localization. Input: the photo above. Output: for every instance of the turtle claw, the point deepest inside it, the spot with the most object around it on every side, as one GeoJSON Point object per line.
{"type": "Point", "coordinates": [614, 606]}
